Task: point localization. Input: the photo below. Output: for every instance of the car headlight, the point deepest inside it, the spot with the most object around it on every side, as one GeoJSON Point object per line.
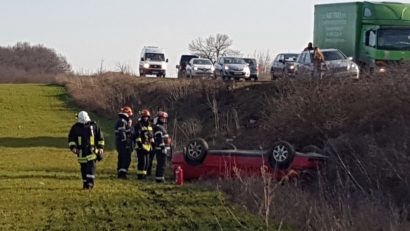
{"type": "Point", "coordinates": [291, 67]}
{"type": "Point", "coordinates": [352, 66]}
{"type": "Point", "coordinates": [226, 67]}
{"type": "Point", "coordinates": [195, 68]}
{"type": "Point", "coordinates": [146, 65]}
{"type": "Point", "coordinates": [382, 70]}
{"type": "Point", "coordinates": [163, 66]}
{"type": "Point", "coordinates": [212, 68]}
{"type": "Point", "coordinates": [246, 69]}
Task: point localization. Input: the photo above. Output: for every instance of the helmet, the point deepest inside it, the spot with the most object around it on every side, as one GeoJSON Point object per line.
{"type": "Point", "coordinates": [83, 117]}
{"type": "Point", "coordinates": [162, 114]}
{"type": "Point", "coordinates": [127, 110]}
{"type": "Point", "coordinates": [145, 113]}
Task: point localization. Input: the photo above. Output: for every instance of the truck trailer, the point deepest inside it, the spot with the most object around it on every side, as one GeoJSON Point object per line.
{"type": "Point", "coordinates": [375, 34]}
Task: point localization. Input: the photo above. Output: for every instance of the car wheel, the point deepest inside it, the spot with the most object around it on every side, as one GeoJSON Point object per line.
{"type": "Point", "coordinates": [284, 75]}
{"type": "Point", "coordinates": [195, 152]}
{"type": "Point", "coordinates": [273, 76]}
{"type": "Point", "coordinates": [281, 155]}
{"type": "Point", "coordinates": [224, 78]}
{"type": "Point", "coordinates": [142, 74]}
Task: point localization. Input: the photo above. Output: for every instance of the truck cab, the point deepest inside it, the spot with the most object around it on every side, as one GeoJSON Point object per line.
{"type": "Point", "coordinates": [375, 34]}
{"type": "Point", "coordinates": [153, 61]}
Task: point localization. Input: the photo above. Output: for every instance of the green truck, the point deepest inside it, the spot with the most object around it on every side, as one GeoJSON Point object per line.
{"type": "Point", "coordinates": [374, 34]}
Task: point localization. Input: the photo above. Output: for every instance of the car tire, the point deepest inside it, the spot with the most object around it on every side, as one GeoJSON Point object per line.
{"type": "Point", "coordinates": [142, 74]}
{"type": "Point", "coordinates": [281, 155]}
{"type": "Point", "coordinates": [284, 75]}
{"type": "Point", "coordinates": [195, 152]}
{"type": "Point", "coordinates": [273, 76]}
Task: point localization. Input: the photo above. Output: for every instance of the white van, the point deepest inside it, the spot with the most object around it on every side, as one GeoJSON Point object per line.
{"type": "Point", "coordinates": [153, 61]}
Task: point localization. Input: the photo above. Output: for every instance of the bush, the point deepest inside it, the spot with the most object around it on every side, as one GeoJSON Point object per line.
{"type": "Point", "coordinates": [24, 63]}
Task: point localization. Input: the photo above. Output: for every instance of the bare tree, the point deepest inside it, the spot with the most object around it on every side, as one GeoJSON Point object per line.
{"type": "Point", "coordinates": [212, 47]}
{"type": "Point", "coordinates": [123, 68]}
{"type": "Point", "coordinates": [264, 60]}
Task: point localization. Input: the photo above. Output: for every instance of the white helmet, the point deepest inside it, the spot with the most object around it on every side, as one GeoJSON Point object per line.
{"type": "Point", "coordinates": [83, 117]}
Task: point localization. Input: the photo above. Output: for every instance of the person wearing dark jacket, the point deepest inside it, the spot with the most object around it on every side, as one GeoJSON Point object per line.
{"type": "Point", "coordinates": [162, 145]}
{"type": "Point", "coordinates": [143, 143]}
{"type": "Point", "coordinates": [124, 141]}
{"type": "Point", "coordinates": [86, 140]}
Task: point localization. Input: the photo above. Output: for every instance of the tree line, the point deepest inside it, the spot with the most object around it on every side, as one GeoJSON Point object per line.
{"type": "Point", "coordinates": [26, 63]}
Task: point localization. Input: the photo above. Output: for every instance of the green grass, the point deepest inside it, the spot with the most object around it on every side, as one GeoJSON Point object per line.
{"type": "Point", "coordinates": [40, 183]}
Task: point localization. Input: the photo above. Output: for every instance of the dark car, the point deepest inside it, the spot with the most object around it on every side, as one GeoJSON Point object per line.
{"type": "Point", "coordinates": [182, 64]}
{"type": "Point", "coordinates": [254, 68]}
{"type": "Point", "coordinates": [280, 161]}
{"type": "Point", "coordinates": [283, 65]}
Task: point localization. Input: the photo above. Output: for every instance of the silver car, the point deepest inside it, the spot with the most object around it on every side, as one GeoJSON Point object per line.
{"type": "Point", "coordinates": [335, 64]}
{"type": "Point", "coordinates": [232, 68]}
{"type": "Point", "coordinates": [198, 67]}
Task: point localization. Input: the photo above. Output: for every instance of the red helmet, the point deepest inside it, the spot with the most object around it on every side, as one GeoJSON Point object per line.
{"type": "Point", "coordinates": [145, 113]}
{"type": "Point", "coordinates": [162, 114]}
{"type": "Point", "coordinates": [127, 110]}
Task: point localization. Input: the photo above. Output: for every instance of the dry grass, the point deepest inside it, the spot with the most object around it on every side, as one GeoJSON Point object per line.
{"type": "Point", "coordinates": [362, 125]}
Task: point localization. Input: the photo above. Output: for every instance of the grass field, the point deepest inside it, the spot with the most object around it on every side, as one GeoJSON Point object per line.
{"type": "Point", "coordinates": [40, 183]}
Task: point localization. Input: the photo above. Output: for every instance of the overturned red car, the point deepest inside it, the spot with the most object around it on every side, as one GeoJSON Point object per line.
{"type": "Point", "coordinates": [281, 160]}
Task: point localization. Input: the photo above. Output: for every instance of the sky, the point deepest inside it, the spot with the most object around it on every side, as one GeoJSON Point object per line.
{"type": "Point", "coordinates": [109, 33]}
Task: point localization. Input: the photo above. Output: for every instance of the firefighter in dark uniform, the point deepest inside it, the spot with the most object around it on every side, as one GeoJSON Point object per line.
{"type": "Point", "coordinates": [124, 141]}
{"type": "Point", "coordinates": [143, 143]}
{"type": "Point", "coordinates": [86, 140]}
{"type": "Point", "coordinates": [162, 145]}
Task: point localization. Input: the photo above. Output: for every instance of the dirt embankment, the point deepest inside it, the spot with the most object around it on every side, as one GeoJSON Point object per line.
{"type": "Point", "coordinates": [362, 125]}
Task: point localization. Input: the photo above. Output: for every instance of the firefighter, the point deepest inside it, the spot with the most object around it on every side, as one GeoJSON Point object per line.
{"type": "Point", "coordinates": [144, 143]}
{"type": "Point", "coordinates": [86, 140]}
{"type": "Point", "coordinates": [124, 141]}
{"type": "Point", "coordinates": [162, 145]}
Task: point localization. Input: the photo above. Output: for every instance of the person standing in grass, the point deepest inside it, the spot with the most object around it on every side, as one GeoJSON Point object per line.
{"type": "Point", "coordinates": [162, 145]}
{"type": "Point", "coordinates": [86, 140]}
{"type": "Point", "coordinates": [144, 143]}
{"type": "Point", "coordinates": [124, 141]}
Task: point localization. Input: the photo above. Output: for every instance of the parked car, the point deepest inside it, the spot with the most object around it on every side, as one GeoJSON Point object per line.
{"type": "Point", "coordinates": [254, 68]}
{"type": "Point", "coordinates": [335, 64]}
{"type": "Point", "coordinates": [231, 68]}
{"type": "Point", "coordinates": [197, 160]}
{"type": "Point", "coordinates": [198, 67]}
{"type": "Point", "coordinates": [153, 61]}
{"type": "Point", "coordinates": [284, 65]}
{"type": "Point", "coordinates": [183, 61]}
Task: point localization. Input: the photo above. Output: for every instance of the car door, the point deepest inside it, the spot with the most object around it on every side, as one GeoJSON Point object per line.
{"type": "Point", "coordinates": [299, 68]}
{"type": "Point", "coordinates": [308, 64]}
{"type": "Point", "coordinates": [188, 68]}
{"type": "Point", "coordinates": [274, 64]}
{"type": "Point", "coordinates": [281, 65]}
{"type": "Point", "coordinates": [278, 68]}
{"type": "Point", "coordinates": [218, 67]}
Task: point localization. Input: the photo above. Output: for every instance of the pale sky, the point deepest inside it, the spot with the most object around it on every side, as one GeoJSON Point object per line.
{"type": "Point", "coordinates": [89, 31]}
